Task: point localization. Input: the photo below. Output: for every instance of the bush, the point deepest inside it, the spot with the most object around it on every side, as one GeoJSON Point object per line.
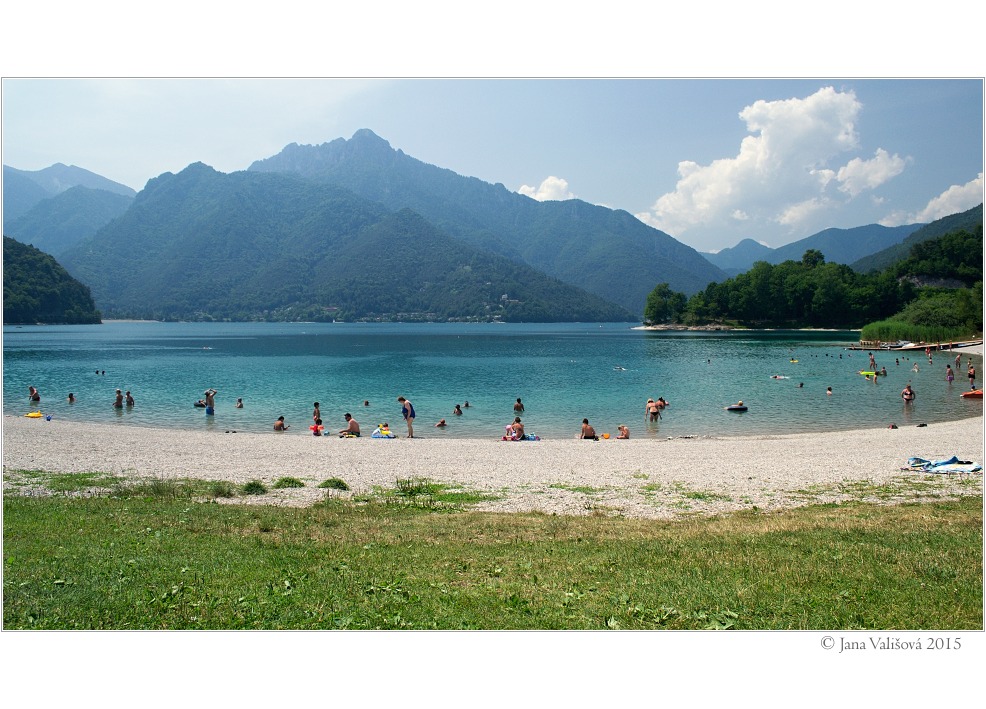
{"type": "Point", "coordinates": [254, 487]}
{"type": "Point", "coordinates": [288, 482]}
{"type": "Point", "coordinates": [222, 488]}
{"type": "Point", "coordinates": [335, 484]}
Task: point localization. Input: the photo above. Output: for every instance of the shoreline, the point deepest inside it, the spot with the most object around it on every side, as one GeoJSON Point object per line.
{"type": "Point", "coordinates": [639, 478]}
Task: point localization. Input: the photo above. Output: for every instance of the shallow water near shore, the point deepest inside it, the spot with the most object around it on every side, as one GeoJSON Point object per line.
{"type": "Point", "coordinates": [563, 372]}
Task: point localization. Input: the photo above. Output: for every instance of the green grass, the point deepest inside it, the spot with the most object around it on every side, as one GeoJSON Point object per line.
{"type": "Point", "coordinates": [334, 484]}
{"type": "Point", "coordinates": [286, 482]}
{"type": "Point", "coordinates": [150, 562]}
{"type": "Point", "coordinates": [254, 487]}
{"type": "Point", "coordinates": [584, 489]}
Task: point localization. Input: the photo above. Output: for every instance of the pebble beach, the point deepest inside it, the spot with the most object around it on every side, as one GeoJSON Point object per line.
{"type": "Point", "coordinates": [658, 479]}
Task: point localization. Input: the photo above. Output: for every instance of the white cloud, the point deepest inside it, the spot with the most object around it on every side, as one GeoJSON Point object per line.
{"type": "Point", "coordinates": [798, 213]}
{"type": "Point", "coordinates": [858, 175]}
{"type": "Point", "coordinates": [552, 188]}
{"type": "Point", "coordinates": [957, 198]}
{"type": "Point", "coordinates": [781, 171]}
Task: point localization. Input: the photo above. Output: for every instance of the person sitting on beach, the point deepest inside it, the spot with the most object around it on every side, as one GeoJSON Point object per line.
{"type": "Point", "coordinates": [238, 404]}
{"type": "Point", "coordinates": [517, 428]}
{"type": "Point", "coordinates": [352, 428]}
{"type": "Point", "coordinates": [519, 406]}
{"type": "Point", "coordinates": [457, 410]}
{"type": "Point", "coordinates": [908, 394]}
{"type": "Point", "coordinates": [316, 428]}
{"type": "Point", "coordinates": [118, 402]}
{"type": "Point", "coordinates": [588, 432]}
{"type": "Point", "coordinates": [383, 431]}
{"type": "Point", "coordinates": [624, 431]}
{"type": "Point", "coordinates": [441, 424]}
{"type": "Point", "coordinates": [279, 425]}
{"type": "Point", "coordinates": [653, 410]}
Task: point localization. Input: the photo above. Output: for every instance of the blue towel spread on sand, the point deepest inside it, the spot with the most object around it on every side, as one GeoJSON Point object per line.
{"type": "Point", "coordinates": [950, 465]}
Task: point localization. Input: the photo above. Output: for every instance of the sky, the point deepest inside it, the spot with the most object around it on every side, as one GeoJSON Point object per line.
{"type": "Point", "coordinates": [709, 161]}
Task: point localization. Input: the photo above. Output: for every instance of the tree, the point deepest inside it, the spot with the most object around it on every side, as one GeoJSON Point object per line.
{"type": "Point", "coordinates": [664, 305]}
{"type": "Point", "coordinates": [813, 258]}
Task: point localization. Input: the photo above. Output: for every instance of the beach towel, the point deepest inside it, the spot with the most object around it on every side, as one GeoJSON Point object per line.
{"type": "Point", "coordinates": [943, 467]}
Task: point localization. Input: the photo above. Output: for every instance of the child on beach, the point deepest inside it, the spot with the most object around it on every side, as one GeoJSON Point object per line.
{"type": "Point", "coordinates": [624, 431]}
{"type": "Point", "coordinates": [316, 427]}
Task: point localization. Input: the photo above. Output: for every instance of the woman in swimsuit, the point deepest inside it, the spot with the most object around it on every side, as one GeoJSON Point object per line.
{"type": "Point", "coordinates": [653, 410]}
{"type": "Point", "coordinates": [407, 411]}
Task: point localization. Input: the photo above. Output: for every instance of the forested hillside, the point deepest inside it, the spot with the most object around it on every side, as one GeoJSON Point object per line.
{"type": "Point", "coordinates": [609, 253]}
{"type": "Point", "coordinates": [36, 289]}
{"type": "Point", "coordinates": [966, 221]}
{"type": "Point", "coordinates": [935, 294]}
{"type": "Point", "coordinates": [248, 246]}
{"type": "Point", "coordinates": [58, 223]}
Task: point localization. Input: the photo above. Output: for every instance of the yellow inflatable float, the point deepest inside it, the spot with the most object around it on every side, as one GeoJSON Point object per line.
{"type": "Point", "coordinates": [34, 415]}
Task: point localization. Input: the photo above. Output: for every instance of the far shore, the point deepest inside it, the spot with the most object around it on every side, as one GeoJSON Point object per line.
{"type": "Point", "coordinates": [636, 478]}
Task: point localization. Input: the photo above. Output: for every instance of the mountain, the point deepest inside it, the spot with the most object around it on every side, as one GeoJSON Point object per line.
{"type": "Point", "coordinates": [251, 245]}
{"type": "Point", "coordinates": [967, 221]}
{"type": "Point", "coordinates": [609, 253]}
{"type": "Point", "coordinates": [737, 259]}
{"type": "Point", "coordinates": [20, 193]}
{"type": "Point", "coordinates": [36, 289]}
{"type": "Point", "coordinates": [58, 178]}
{"type": "Point", "coordinates": [57, 223]}
{"type": "Point", "coordinates": [838, 246]}
{"type": "Point", "coordinates": [23, 189]}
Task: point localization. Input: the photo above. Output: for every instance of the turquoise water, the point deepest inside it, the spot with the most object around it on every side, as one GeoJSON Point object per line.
{"type": "Point", "coordinates": [562, 372]}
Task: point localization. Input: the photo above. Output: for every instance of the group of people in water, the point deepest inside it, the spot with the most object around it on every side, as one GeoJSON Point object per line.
{"type": "Point", "coordinates": [908, 394]}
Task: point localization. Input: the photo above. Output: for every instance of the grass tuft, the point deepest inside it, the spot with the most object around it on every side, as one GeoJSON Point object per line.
{"type": "Point", "coordinates": [287, 482]}
{"type": "Point", "coordinates": [254, 487]}
{"type": "Point", "coordinates": [334, 484]}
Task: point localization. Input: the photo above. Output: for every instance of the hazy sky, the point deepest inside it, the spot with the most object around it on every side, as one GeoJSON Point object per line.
{"type": "Point", "coordinates": [708, 161]}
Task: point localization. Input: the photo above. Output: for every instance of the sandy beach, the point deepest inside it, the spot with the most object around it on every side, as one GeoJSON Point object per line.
{"type": "Point", "coordinates": [635, 478]}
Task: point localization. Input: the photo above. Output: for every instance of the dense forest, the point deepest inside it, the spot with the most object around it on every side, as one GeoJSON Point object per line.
{"type": "Point", "coordinates": [933, 294]}
{"type": "Point", "coordinates": [202, 245]}
{"type": "Point", "coordinates": [607, 252]}
{"type": "Point", "coordinates": [38, 290]}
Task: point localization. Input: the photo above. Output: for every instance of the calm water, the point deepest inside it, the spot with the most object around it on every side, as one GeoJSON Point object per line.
{"type": "Point", "coordinates": [563, 373]}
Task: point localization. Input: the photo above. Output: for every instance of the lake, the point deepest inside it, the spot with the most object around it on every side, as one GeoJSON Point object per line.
{"type": "Point", "coordinates": [563, 372]}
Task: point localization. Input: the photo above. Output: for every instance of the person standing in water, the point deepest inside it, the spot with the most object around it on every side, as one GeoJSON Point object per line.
{"type": "Point", "coordinates": [949, 374]}
{"type": "Point", "coordinates": [118, 402]}
{"type": "Point", "coordinates": [210, 402]}
{"type": "Point", "coordinates": [407, 411]}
